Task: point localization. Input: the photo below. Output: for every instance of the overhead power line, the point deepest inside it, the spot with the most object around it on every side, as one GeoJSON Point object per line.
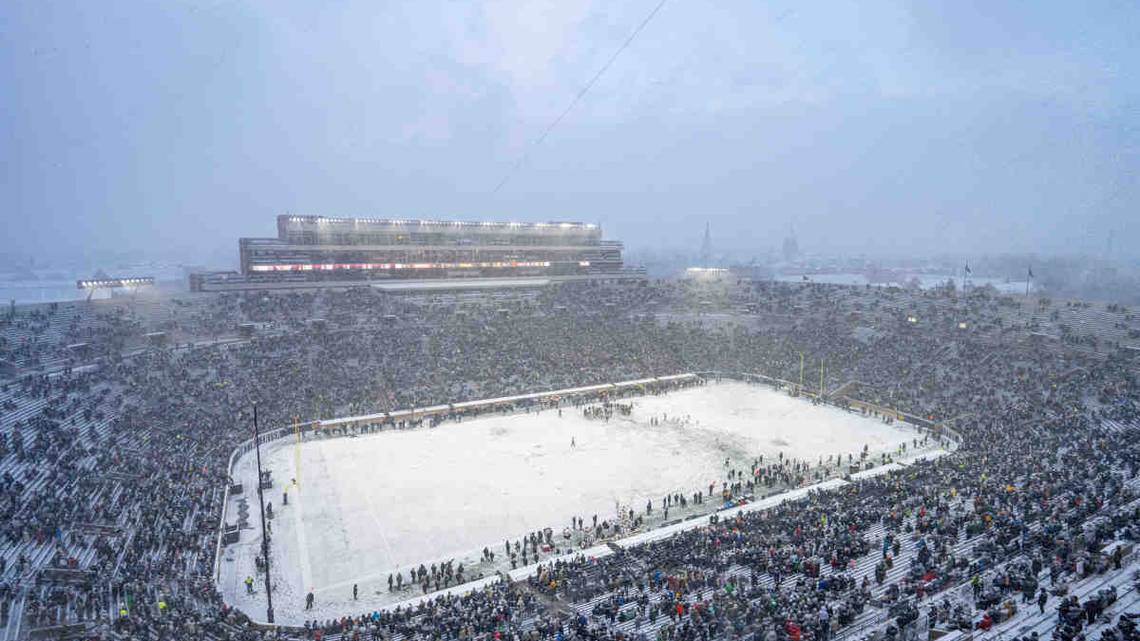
{"type": "Point", "coordinates": [581, 92]}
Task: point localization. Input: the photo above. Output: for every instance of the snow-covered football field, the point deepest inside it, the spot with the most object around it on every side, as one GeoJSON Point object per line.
{"type": "Point", "coordinates": [368, 505]}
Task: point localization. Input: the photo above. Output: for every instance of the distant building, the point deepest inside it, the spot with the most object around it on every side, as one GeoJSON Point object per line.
{"type": "Point", "coordinates": [791, 248]}
{"type": "Point", "coordinates": [313, 251]}
{"type": "Point", "coordinates": [706, 248]}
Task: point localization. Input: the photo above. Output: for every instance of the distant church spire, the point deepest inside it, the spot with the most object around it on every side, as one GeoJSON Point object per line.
{"type": "Point", "coordinates": [791, 247]}
{"type": "Point", "coordinates": [706, 247]}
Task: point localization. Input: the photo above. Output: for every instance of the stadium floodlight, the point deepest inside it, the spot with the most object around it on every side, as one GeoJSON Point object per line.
{"type": "Point", "coordinates": [912, 319]}
{"type": "Point", "coordinates": [113, 283]}
{"type": "Point", "coordinates": [962, 325]}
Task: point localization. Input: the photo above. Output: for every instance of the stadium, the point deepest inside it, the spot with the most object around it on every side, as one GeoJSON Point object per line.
{"type": "Point", "coordinates": [315, 251]}
{"type": "Point", "coordinates": [763, 460]}
{"type": "Point", "coordinates": [474, 372]}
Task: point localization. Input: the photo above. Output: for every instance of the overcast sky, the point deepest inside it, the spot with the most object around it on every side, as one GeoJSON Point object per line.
{"type": "Point", "coordinates": [871, 126]}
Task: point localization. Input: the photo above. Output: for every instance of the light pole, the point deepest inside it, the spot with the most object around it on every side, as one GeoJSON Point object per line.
{"type": "Point", "coordinates": [264, 529]}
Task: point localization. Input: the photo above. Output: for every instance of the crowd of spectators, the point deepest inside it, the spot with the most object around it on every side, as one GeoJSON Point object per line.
{"type": "Point", "coordinates": [113, 463]}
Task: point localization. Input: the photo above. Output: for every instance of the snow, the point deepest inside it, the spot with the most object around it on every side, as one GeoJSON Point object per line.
{"type": "Point", "coordinates": [369, 505]}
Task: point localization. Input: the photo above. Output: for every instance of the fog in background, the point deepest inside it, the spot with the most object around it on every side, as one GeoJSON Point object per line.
{"type": "Point", "coordinates": [166, 130]}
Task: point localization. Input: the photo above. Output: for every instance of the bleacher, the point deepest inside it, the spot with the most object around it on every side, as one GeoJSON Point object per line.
{"type": "Point", "coordinates": [74, 454]}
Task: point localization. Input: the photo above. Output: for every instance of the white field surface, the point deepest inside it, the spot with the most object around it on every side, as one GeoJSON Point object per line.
{"type": "Point", "coordinates": [369, 505]}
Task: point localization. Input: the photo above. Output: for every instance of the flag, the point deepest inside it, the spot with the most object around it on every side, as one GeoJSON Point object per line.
{"type": "Point", "coordinates": [968, 272]}
{"type": "Point", "coordinates": [806, 278]}
{"type": "Point", "coordinates": [1031, 272]}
